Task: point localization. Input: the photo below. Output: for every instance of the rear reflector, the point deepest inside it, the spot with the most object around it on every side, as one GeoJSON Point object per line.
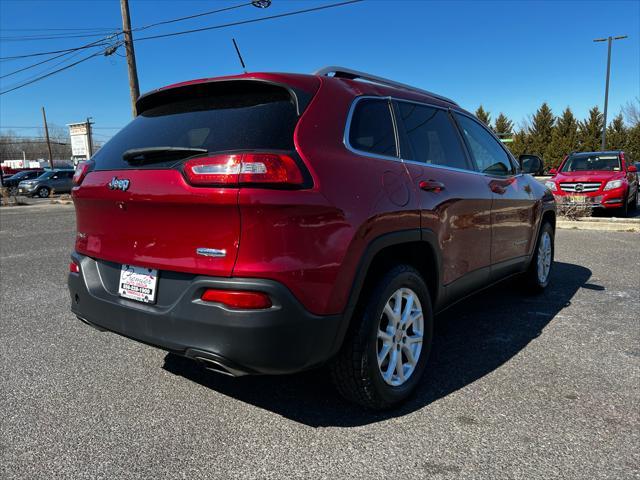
{"type": "Point", "coordinates": [243, 168]}
{"type": "Point", "coordinates": [237, 298]}
{"type": "Point", "coordinates": [74, 267]}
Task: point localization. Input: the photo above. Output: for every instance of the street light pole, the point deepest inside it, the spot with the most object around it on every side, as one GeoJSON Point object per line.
{"type": "Point", "coordinates": [609, 41]}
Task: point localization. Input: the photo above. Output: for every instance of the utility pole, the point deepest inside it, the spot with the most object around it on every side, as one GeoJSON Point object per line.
{"type": "Point", "coordinates": [609, 41]}
{"type": "Point", "coordinates": [89, 139]}
{"type": "Point", "coordinates": [46, 133]}
{"type": "Point", "coordinates": [131, 56]}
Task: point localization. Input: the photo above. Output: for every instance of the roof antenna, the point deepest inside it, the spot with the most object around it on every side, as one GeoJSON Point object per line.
{"type": "Point", "coordinates": [239, 55]}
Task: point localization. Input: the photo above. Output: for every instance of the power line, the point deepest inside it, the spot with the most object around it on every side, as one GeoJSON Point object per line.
{"type": "Point", "coordinates": [97, 43]}
{"type": "Point", "coordinates": [57, 36]}
{"type": "Point", "coordinates": [243, 22]}
{"type": "Point", "coordinates": [53, 73]}
{"type": "Point", "coordinates": [55, 29]}
{"type": "Point", "coordinates": [189, 17]}
{"type": "Point", "coordinates": [111, 49]}
{"type": "Point", "coordinates": [101, 42]}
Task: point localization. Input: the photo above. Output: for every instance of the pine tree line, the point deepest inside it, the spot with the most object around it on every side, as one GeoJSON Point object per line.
{"type": "Point", "coordinates": [552, 137]}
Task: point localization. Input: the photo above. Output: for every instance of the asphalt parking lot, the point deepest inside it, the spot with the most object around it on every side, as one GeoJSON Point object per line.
{"type": "Point", "coordinates": [518, 387]}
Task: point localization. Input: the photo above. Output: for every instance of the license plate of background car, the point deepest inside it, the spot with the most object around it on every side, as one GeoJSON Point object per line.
{"type": "Point", "coordinates": [138, 283]}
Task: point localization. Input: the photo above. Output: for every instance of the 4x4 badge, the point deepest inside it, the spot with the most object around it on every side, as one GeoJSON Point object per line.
{"type": "Point", "coordinates": [118, 184]}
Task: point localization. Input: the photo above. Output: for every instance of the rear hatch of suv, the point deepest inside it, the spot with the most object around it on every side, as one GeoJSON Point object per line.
{"type": "Point", "coordinates": [163, 192]}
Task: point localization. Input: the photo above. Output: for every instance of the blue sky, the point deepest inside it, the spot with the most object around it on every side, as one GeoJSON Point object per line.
{"type": "Point", "coordinates": [508, 56]}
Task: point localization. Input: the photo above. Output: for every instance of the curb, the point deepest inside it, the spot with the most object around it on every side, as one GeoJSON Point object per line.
{"type": "Point", "coordinates": [617, 226]}
{"type": "Point", "coordinates": [16, 209]}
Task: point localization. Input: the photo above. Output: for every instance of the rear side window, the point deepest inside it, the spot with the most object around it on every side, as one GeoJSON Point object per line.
{"type": "Point", "coordinates": [371, 128]}
{"type": "Point", "coordinates": [488, 154]}
{"type": "Point", "coordinates": [242, 116]}
{"type": "Point", "coordinates": [431, 135]}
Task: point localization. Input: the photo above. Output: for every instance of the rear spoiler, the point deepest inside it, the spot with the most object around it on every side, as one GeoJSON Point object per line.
{"type": "Point", "coordinates": [164, 96]}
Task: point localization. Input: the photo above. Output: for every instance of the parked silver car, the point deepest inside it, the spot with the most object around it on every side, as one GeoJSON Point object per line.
{"type": "Point", "coordinates": [59, 180]}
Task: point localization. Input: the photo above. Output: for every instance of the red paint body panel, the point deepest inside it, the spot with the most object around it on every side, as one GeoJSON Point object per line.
{"type": "Point", "coordinates": [460, 215]}
{"type": "Point", "coordinates": [158, 222]}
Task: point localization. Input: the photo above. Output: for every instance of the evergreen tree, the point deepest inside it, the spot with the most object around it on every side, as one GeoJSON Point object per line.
{"type": "Point", "coordinates": [541, 130]}
{"type": "Point", "coordinates": [590, 131]}
{"type": "Point", "coordinates": [483, 116]}
{"type": "Point", "coordinates": [564, 139]}
{"type": "Point", "coordinates": [617, 134]}
{"type": "Point", "coordinates": [632, 152]}
{"type": "Point", "coordinates": [521, 143]}
{"type": "Point", "coordinates": [503, 125]}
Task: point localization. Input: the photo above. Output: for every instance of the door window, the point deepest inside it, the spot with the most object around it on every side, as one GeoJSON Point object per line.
{"type": "Point", "coordinates": [431, 136]}
{"type": "Point", "coordinates": [487, 152]}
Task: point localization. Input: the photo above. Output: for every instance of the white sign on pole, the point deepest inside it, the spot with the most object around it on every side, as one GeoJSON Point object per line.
{"type": "Point", "coordinates": [79, 139]}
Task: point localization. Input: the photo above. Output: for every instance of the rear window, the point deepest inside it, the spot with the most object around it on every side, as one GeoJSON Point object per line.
{"type": "Point", "coordinates": [252, 116]}
{"type": "Point", "coordinates": [371, 128]}
{"type": "Point", "coordinates": [579, 163]}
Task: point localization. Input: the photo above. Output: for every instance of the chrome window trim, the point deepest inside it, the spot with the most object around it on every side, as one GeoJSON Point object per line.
{"type": "Point", "coordinates": [347, 129]}
{"type": "Point", "coordinates": [397, 158]}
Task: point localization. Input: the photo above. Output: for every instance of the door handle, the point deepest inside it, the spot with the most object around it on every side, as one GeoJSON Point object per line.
{"type": "Point", "coordinates": [431, 186]}
{"type": "Point", "coordinates": [500, 186]}
{"type": "Point", "coordinates": [496, 188]}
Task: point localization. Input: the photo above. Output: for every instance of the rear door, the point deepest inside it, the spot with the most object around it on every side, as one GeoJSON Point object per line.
{"type": "Point", "coordinates": [455, 200]}
{"type": "Point", "coordinates": [142, 210]}
{"type": "Point", "coordinates": [513, 211]}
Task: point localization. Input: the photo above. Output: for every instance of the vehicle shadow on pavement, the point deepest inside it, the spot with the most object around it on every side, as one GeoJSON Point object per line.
{"type": "Point", "coordinates": [471, 340]}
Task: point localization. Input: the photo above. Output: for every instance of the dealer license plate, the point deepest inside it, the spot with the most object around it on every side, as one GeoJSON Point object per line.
{"type": "Point", "coordinates": [138, 283]}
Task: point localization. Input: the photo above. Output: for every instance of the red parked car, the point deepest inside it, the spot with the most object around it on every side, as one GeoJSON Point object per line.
{"type": "Point", "coordinates": [597, 179]}
{"type": "Point", "coordinates": [269, 223]}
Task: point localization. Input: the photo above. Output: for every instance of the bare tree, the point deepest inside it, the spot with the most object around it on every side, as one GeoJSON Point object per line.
{"type": "Point", "coordinates": [631, 112]}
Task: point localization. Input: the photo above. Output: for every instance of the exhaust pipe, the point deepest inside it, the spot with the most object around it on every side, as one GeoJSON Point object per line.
{"type": "Point", "coordinates": [210, 362]}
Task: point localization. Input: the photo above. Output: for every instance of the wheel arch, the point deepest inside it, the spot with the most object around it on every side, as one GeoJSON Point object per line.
{"type": "Point", "coordinates": [415, 247]}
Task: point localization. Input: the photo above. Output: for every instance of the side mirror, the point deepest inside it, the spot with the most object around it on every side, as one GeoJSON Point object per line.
{"type": "Point", "coordinates": [553, 171]}
{"type": "Point", "coordinates": [632, 169]}
{"type": "Point", "coordinates": [531, 164]}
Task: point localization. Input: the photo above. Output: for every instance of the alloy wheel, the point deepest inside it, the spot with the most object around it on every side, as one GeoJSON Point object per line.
{"type": "Point", "coordinates": [400, 336]}
{"type": "Point", "coordinates": [544, 257]}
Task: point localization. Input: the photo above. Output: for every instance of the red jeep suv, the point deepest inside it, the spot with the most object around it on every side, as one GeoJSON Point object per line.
{"type": "Point", "coordinates": [269, 223]}
{"type": "Point", "coordinates": [596, 179]}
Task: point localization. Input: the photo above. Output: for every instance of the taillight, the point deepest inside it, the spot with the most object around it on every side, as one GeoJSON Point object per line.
{"type": "Point", "coordinates": [243, 169]}
{"type": "Point", "coordinates": [74, 267]}
{"type": "Point", "coordinates": [237, 298]}
{"type": "Point", "coordinates": [81, 171]}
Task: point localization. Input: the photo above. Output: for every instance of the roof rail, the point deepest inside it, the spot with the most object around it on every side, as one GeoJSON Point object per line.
{"type": "Point", "coordinates": [341, 72]}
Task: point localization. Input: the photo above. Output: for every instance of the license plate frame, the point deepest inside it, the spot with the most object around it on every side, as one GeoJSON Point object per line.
{"type": "Point", "coordinates": [138, 283]}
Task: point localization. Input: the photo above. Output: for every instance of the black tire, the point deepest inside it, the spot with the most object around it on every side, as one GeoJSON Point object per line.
{"type": "Point", "coordinates": [355, 370]}
{"type": "Point", "coordinates": [43, 192]}
{"type": "Point", "coordinates": [13, 191]}
{"type": "Point", "coordinates": [531, 279]}
{"type": "Point", "coordinates": [634, 202]}
{"type": "Point", "coordinates": [624, 210]}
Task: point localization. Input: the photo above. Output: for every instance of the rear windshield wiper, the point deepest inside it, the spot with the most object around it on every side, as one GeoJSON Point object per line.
{"type": "Point", "coordinates": [155, 154]}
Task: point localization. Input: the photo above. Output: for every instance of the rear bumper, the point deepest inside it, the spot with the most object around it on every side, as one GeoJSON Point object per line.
{"type": "Point", "coordinates": [285, 338]}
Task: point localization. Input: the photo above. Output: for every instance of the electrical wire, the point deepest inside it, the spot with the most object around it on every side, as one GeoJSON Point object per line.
{"type": "Point", "coordinates": [99, 42]}
{"type": "Point", "coordinates": [41, 77]}
{"type": "Point", "coordinates": [113, 48]}
{"type": "Point", "coordinates": [58, 36]}
{"type": "Point", "coordinates": [244, 22]}
{"type": "Point", "coordinates": [189, 17]}
{"type": "Point", "coordinates": [28, 67]}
